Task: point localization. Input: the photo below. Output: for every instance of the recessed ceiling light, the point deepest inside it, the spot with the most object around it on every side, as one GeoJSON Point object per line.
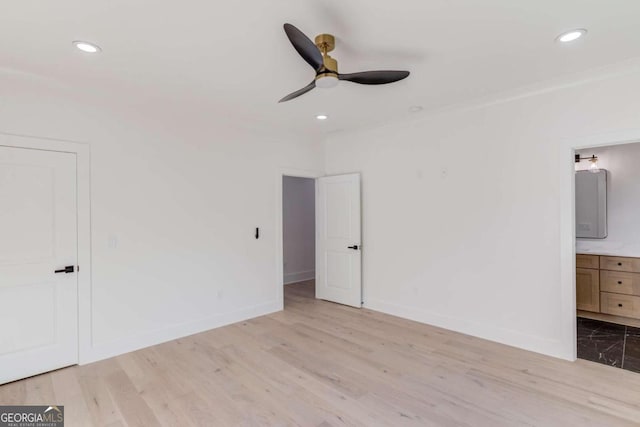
{"type": "Point", "coordinates": [415, 108]}
{"type": "Point", "coordinates": [572, 35]}
{"type": "Point", "coordinates": [322, 117]}
{"type": "Point", "coordinates": [87, 47]}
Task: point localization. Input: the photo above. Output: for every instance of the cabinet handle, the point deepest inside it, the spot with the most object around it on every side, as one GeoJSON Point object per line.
{"type": "Point", "coordinates": [620, 264]}
{"type": "Point", "coordinates": [619, 282]}
{"type": "Point", "coordinates": [619, 305]}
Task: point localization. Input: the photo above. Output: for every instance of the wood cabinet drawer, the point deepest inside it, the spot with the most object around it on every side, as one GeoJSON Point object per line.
{"type": "Point", "coordinates": [620, 263]}
{"type": "Point", "coordinates": [620, 305]}
{"type": "Point", "coordinates": [620, 282]}
{"type": "Point", "coordinates": [587, 289]}
{"type": "Point", "coordinates": [587, 261]}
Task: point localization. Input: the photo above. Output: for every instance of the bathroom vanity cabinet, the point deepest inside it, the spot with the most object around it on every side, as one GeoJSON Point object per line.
{"type": "Point", "coordinates": [609, 285]}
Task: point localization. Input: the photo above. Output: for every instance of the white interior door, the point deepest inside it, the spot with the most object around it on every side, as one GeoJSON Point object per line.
{"type": "Point", "coordinates": [38, 235]}
{"type": "Point", "coordinates": [338, 250]}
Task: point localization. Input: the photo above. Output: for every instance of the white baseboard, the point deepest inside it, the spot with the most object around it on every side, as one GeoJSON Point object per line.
{"type": "Point", "coordinates": [554, 348]}
{"type": "Point", "coordinates": [147, 339]}
{"type": "Point", "coordinates": [300, 276]}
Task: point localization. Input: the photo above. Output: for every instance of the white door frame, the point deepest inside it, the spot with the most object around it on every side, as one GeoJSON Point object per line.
{"type": "Point", "coordinates": [83, 183]}
{"type": "Point", "coordinates": [568, 226]}
{"type": "Point", "coordinates": [298, 173]}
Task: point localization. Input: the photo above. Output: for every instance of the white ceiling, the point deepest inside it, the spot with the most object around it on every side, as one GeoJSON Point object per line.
{"type": "Point", "coordinates": [232, 59]}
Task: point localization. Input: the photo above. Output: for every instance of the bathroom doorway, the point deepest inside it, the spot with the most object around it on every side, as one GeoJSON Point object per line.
{"type": "Point", "coordinates": [607, 200]}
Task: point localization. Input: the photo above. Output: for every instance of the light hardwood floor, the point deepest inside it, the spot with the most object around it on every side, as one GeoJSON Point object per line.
{"type": "Point", "coordinates": [323, 364]}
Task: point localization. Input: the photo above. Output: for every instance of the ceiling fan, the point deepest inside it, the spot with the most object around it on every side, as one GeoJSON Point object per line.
{"type": "Point", "coordinates": [326, 68]}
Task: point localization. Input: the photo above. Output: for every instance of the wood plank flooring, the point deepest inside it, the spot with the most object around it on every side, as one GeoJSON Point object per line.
{"type": "Point", "coordinates": [323, 364]}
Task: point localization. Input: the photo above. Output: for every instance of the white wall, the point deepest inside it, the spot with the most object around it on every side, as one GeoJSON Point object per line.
{"type": "Point", "coordinates": [298, 220]}
{"type": "Point", "coordinates": [175, 199]}
{"type": "Point", "coordinates": [623, 198]}
{"type": "Point", "coordinates": [464, 211]}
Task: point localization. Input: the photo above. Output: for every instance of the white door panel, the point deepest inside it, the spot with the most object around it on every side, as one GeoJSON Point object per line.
{"type": "Point", "coordinates": [338, 228]}
{"type": "Point", "coordinates": [38, 235]}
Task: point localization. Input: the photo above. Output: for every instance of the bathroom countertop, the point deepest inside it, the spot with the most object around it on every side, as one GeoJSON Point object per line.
{"type": "Point", "coordinates": [607, 248]}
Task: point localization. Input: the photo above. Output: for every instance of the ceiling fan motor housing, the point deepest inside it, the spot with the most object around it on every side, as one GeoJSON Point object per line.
{"type": "Point", "coordinates": [326, 43]}
{"type": "Point", "coordinates": [328, 76]}
{"type": "Point", "coordinates": [330, 64]}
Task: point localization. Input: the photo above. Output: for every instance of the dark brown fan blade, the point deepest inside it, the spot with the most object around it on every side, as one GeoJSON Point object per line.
{"type": "Point", "coordinates": [305, 47]}
{"type": "Point", "coordinates": [299, 92]}
{"type": "Point", "coordinates": [374, 77]}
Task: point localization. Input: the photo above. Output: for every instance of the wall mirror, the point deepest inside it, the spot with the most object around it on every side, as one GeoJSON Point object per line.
{"type": "Point", "coordinates": [591, 204]}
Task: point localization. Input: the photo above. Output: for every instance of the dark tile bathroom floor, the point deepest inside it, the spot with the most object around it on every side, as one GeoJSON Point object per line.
{"type": "Point", "coordinates": [609, 344]}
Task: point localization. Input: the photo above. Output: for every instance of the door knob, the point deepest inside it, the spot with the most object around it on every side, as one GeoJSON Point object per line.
{"type": "Point", "coordinates": [67, 269]}
{"type": "Point", "coordinates": [354, 247]}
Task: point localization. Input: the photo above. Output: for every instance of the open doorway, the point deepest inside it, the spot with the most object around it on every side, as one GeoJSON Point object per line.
{"type": "Point", "coordinates": [607, 202]}
{"type": "Point", "coordinates": [321, 237]}
{"type": "Point", "coordinates": [298, 236]}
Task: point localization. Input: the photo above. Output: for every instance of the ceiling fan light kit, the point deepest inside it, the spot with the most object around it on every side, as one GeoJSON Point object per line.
{"type": "Point", "coordinates": [326, 68]}
{"type": "Point", "coordinates": [326, 81]}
